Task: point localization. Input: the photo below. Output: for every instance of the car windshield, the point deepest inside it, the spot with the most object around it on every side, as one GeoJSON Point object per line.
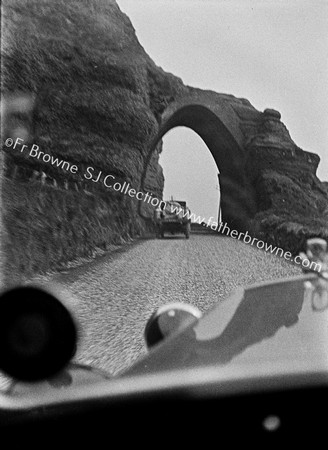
{"type": "Point", "coordinates": [112, 110]}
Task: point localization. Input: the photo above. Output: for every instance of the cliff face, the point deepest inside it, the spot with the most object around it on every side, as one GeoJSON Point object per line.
{"type": "Point", "coordinates": [99, 101]}
{"type": "Point", "coordinates": [292, 203]}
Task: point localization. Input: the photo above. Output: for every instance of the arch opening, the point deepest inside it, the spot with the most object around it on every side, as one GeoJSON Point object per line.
{"type": "Point", "coordinates": [190, 173]}
{"type": "Point", "coordinates": [237, 195]}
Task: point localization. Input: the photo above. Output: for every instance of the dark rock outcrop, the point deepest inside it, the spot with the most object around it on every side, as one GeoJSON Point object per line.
{"type": "Point", "coordinates": [101, 101]}
{"type": "Point", "coordinates": [89, 76]}
{"type": "Point", "coordinates": [292, 203]}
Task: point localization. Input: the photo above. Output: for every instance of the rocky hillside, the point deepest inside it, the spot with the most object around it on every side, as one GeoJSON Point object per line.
{"type": "Point", "coordinates": [98, 96]}
{"type": "Point", "coordinates": [98, 102]}
{"type": "Point", "coordinates": [292, 203]}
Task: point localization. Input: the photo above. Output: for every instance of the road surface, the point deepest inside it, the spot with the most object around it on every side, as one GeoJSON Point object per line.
{"type": "Point", "coordinates": [116, 294]}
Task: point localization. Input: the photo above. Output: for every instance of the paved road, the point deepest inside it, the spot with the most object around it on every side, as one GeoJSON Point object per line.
{"type": "Point", "coordinates": [117, 293]}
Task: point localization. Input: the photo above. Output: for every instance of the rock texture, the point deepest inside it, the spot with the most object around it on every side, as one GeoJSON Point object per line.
{"type": "Point", "coordinates": [292, 203]}
{"type": "Point", "coordinates": [93, 83]}
{"type": "Point", "coordinates": [101, 101]}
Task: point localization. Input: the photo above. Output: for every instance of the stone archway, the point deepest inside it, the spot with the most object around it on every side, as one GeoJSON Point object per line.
{"type": "Point", "coordinates": [237, 196]}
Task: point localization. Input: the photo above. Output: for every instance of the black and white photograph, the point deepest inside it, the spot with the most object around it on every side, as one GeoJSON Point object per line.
{"type": "Point", "coordinates": [164, 221]}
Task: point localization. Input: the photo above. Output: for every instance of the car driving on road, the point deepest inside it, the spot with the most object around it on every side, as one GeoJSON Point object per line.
{"type": "Point", "coordinates": [173, 217]}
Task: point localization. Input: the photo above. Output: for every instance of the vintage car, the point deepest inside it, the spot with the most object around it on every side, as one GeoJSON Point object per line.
{"type": "Point", "coordinates": [173, 217]}
{"type": "Point", "coordinates": [255, 368]}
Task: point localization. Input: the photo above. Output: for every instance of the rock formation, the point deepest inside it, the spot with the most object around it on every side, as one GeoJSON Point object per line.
{"type": "Point", "coordinates": [292, 203]}
{"type": "Point", "coordinates": [101, 102]}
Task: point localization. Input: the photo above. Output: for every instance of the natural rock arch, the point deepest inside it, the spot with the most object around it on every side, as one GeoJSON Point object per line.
{"type": "Point", "coordinates": [237, 196]}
